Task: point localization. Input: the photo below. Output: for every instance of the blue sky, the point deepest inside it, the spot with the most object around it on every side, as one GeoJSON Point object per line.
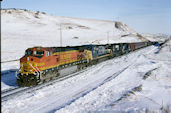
{"type": "Point", "coordinates": [144, 16]}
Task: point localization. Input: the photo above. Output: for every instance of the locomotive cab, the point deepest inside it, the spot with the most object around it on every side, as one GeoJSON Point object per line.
{"type": "Point", "coordinates": [31, 60]}
{"type": "Point", "coordinates": [36, 52]}
{"type": "Point", "coordinates": [30, 65]}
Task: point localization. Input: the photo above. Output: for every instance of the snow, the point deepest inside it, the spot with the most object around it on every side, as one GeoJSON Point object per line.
{"type": "Point", "coordinates": [137, 82]}
{"type": "Point", "coordinates": [156, 37]}
{"type": "Point", "coordinates": [8, 80]}
{"type": "Point", "coordinates": [108, 86]}
{"type": "Point", "coordinates": [111, 96]}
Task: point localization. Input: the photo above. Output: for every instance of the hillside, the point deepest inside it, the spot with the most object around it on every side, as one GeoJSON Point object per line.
{"type": "Point", "coordinates": [156, 37]}
{"type": "Point", "coordinates": [22, 29]}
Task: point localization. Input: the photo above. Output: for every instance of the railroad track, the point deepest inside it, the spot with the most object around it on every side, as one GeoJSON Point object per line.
{"type": "Point", "coordinates": [9, 61]}
{"type": "Point", "coordinates": [13, 92]}
{"type": "Point", "coordinates": [5, 95]}
{"type": "Point", "coordinates": [8, 90]}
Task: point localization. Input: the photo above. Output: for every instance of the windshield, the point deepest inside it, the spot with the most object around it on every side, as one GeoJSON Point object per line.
{"type": "Point", "coordinates": [38, 52]}
{"type": "Point", "coordinates": [29, 52]}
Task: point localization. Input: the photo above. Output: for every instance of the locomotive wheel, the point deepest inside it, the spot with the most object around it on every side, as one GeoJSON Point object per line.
{"type": "Point", "coordinates": [27, 80]}
{"type": "Point", "coordinates": [44, 81]}
{"type": "Point", "coordinates": [19, 82]}
{"type": "Point", "coordinates": [57, 74]}
{"type": "Point", "coordinates": [79, 67]}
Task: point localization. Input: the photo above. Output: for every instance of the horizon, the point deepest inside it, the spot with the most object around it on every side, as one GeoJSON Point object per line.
{"type": "Point", "coordinates": [143, 16]}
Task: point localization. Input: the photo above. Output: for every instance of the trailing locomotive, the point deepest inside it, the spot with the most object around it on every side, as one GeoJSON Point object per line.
{"type": "Point", "coordinates": [40, 64]}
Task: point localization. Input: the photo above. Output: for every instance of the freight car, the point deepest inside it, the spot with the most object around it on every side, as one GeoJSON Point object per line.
{"type": "Point", "coordinates": [40, 64]}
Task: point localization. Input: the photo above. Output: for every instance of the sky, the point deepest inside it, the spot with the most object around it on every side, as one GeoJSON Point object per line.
{"type": "Point", "coordinates": [144, 16]}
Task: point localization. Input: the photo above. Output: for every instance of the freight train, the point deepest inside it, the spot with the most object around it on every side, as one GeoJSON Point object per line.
{"type": "Point", "coordinates": [41, 64]}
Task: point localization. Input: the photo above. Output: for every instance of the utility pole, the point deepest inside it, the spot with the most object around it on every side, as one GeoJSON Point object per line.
{"type": "Point", "coordinates": [113, 28]}
{"type": "Point", "coordinates": [60, 35]}
{"type": "Point", "coordinates": [107, 37]}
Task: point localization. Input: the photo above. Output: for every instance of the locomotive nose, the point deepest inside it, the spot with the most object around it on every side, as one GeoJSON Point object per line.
{"type": "Point", "coordinates": [26, 68]}
{"type": "Point", "coordinates": [27, 65]}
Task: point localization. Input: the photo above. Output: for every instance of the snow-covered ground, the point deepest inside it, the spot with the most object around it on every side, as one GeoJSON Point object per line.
{"type": "Point", "coordinates": [136, 82]}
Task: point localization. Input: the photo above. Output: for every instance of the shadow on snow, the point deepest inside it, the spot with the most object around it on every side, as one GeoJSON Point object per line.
{"type": "Point", "coordinates": [9, 77]}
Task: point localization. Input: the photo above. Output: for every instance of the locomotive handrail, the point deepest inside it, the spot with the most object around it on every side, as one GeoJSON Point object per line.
{"type": "Point", "coordinates": [34, 68]}
{"type": "Point", "coordinates": [37, 68]}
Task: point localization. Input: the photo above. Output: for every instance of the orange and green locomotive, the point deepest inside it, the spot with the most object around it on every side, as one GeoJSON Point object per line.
{"type": "Point", "coordinates": [40, 64]}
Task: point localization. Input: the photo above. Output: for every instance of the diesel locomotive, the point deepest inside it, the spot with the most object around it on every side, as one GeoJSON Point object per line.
{"type": "Point", "coordinates": [41, 64]}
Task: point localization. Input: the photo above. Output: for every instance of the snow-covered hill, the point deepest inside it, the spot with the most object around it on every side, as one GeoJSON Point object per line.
{"type": "Point", "coordinates": [22, 29]}
{"type": "Point", "coordinates": [156, 37]}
